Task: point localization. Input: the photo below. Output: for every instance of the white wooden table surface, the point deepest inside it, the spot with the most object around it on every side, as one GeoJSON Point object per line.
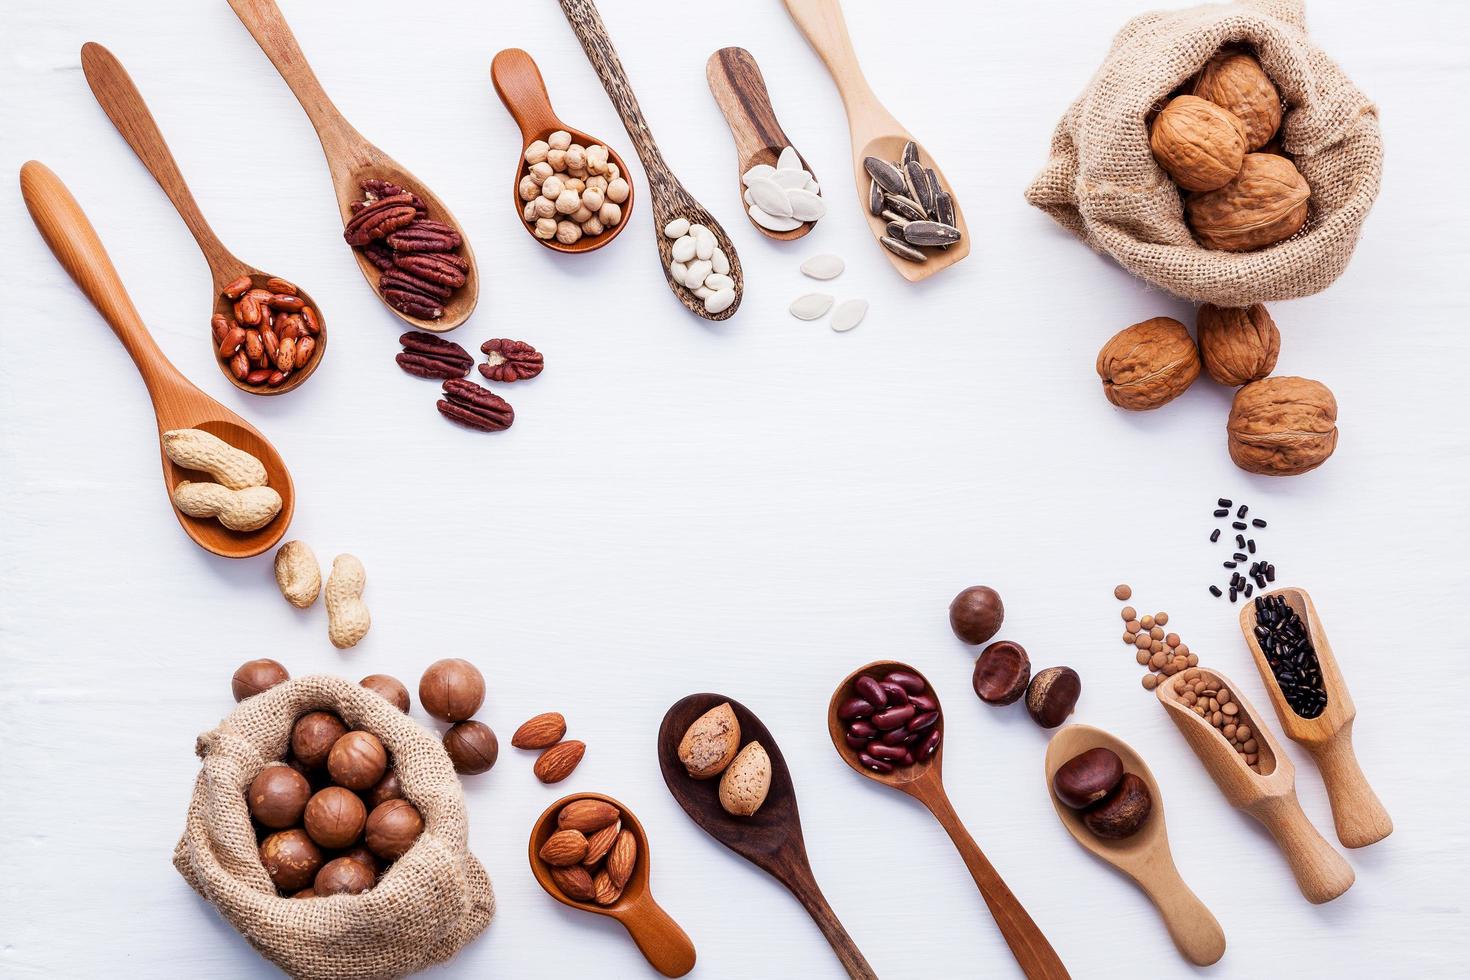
{"type": "Point", "coordinates": [754, 508]}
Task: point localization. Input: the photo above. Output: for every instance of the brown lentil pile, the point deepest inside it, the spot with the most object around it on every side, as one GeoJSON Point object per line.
{"type": "Point", "coordinates": [1213, 702]}
{"type": "Point", "coordinates": [1164, 654]}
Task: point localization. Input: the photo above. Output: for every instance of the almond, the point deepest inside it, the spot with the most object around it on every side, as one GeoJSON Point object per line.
{"type": "Point", "coordinates": [588, 816]}
{"type": "Point", "coordinates": [622, 858]}
{"type": "Point", "coordinates": [574, 882]}
{"type": "Point", "coordinates": [711, 742]}
{"type": "Point", "coordinates": [746, 782]}
{"type": "Point", "coordinates": [600, 843]}
{"type": "Point", "coordinates": [557, 762]}
{"type": "Point", "coordinates": [564, 848]}
{"type": "Point", "coordinates": [604, 892]}
{"type": "Point", "coordinates": [541, 732]}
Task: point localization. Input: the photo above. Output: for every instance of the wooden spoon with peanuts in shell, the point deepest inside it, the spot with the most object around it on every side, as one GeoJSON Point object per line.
{"type": "Point", "coordinates": [353, 160]}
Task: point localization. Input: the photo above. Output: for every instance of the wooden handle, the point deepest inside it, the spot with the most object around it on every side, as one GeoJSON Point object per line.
{"type": "Point", "coordinates": [520, 86]}
{"type": "Point", "coordinates": [1191, 925]}
{"type": "Point", "coordinates": [1033, 953]}
{"type": "Point", "coordinates": [659, 938]}
{"type": "Point", "coordinates": [587, 23]}
{"type": "Point", "coordinates": [124, 105]}
{"type": "Point", "coordinates": [826, 31]}
{"type": "Point", "coordinates": [805, 888]}
{"type": "Point", "coordinates": [1321, 873]}
{"type": "Point", "coordinates": [75, 244]}
{"type": "Point", "coordinates": [1356, 810]}
{"type": "Point", "coordinates": [739, 89]}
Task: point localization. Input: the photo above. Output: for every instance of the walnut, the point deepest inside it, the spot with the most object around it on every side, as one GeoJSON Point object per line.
{"type": "Point", "coordinates": [1148, 364]}
{"type": "Point", "coordinates": [1237, 346]}
{"type": "Point", "coordinates": [1235, 81]}
{"type": "Point", "coordinates": [1282, 426]}
{"type": "Point", "coordinates": [1264, 204]}
{"type": "Point", "coordinates": [1200, 144]}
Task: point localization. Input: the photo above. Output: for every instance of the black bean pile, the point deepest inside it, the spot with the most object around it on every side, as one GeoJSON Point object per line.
{"type": "Point", "coordinates": [1288, 647]}
{"type": "Point", "coordinates": [1260, 571]}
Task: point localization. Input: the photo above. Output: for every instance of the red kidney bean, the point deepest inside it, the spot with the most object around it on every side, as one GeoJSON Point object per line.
{"type": "Point", "coordinates": [931, 744]}
{"type": "Point", "coordinates": [920, 722]}
{"type": "Point", "coordinates": [895, 737]}
{"type": "Point", "coordinates": [914, 738]}
{"type": "Point", "coordinates": [907, 760]}
{"type": "Point", "coordinates": [877, 765]}
{"type": "Point", "coordinates": [896, 694]}
{"type": "Point", "coordinates": [891, 753]}
{"type": "Point", "coordinates": [912, 683]}
{"type": "Point", "coordinates": [894, 717]}
{"type": "Point", "coordinates": [855, 743]}
{"type": "Point", "coordinates": [869, 691]}
{"type": "Point", "coordinates": [854, 708]}
{"type": "Point", "coordinates": [925, 702]}
{"type": "Point", "coordinates": [862, 729]}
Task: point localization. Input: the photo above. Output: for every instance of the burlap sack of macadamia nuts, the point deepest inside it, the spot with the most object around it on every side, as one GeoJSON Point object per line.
{"type": "Point", "coordinates": [429, 904]}
{"type": "Point", "coordinates": [1103, 184]}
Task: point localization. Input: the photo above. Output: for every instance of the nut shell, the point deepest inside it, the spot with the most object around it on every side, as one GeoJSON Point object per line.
{"type": "Point", "coordinates": [255, 676]}
{"type": "Point", "coordinates": [746, 781]}
{"type": "Point", "coordinates": [334, 818]}
{"type": "Point", "coordinates": [1148, 364]}
{"type": "Point", "coordinates": [313, 736]}
{"type": "Point", "coordinates": [1282, 426]}
{"type": "Point", "coordinates": [392, 828]}
{"type": "Point", "coordinates": [357, 760]}
{"type": "Point", "coordinates": [1123, 812]}
{"type": "Point", "coordinates": [1235, 81]}
{"type": "Point", "coordinates": [472, 747]}
{"type": "Point", "coordinates": [1199, 144]}
{"type": "Point", "coordinates": [1266, 203]}
{"type": "Point", "coordinates": [391, 688]}
{"type": "Point", "coordinates": [291, 859]}
{"type": "Point", "coordinates": [1052, 695]}
{"type": "Point", "coordinates": [277, 797]}
{"type": "Point", "coordinates": [343, 876]}
{"type": "Point", "coordinates": [1237, 346]}
{"type": "Point", "coordinates": [711, 742]}
{"type": "Point", "coordinates": [387, 788]}
{"type": "Point", "coordinates": [452, 690]}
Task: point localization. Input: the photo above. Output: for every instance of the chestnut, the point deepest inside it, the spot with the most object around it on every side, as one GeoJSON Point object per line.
{"type": "Point", "coordinates": [1001, 673]}
{"type": "Point", "coordinates": [334, 817]}
{"type": "Point", "coordinates": [313, 736]}
{"type": "Point", "coordinates": [451, 690]}
{"type": "Point", "coordinates": [291, 859]}
{"type": "Point", "coordinates": [357, 760]}
{"type": "Point", "coordinates": [1052, 695]}
{"type": "Point", "coordinates": [975, 614]}
{"type": "Point", "coordinates": [255, 676]}
{"type": "Point", "coordinates": [343, 876]}
{"type": "Point", "coordinates": [391, 688]}
{"type": "Point", "coordinates": [1086, 778]}
{"type": "Point", "coordinates": [387, 788]}
{"type": "Point", "coordinates": [472, 747]}
{"type": "Point", "coordinates": [1122, 812]}
{"type": "Point", "coordinates": [276, 797]}
{"type": "Point", "coordinates": [392, 828]}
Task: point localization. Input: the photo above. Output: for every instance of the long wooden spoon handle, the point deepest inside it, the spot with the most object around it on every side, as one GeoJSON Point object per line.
{"type": "Point", "coordinates": [659, 938]}
{"type": "Point", "coordinates": [75, 244]}
{"type": "Point", "coordinates": [805, 888]}
{"type": "Point", "coordinates": [587, 23]}
{"type": "Point", "coordinates": [739, 89]}
{"type": "Point", "coordinates": [1193, 927]}
{"type": "Point", "coordinates": [1321, 873]}
{"type": "Point", "coordinates": [124, 105]}
{"type": "Point", "coordinates": [1358, 814]}
{"type": "Point", "coordinates": [1032, 951]}
{"type": "Point", "coordinates": [826, 31]}
{"type": "Point", "coordinates": [520, 86]}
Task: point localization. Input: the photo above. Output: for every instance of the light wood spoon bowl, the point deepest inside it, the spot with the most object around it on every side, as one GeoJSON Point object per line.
{"type": "Point", "coordinates": [1145, 857]}
{"type": "Point", "coordinates": [1269, 795]}
{"type": "Point", "coordinates": [176, 403]}
{"type": "Point", "coordinates": [924, 782]}
{"type": "Point", "coordinates": [352, 159]}
{"type": "Point", "coordinates": [670, 199]}
{"type": "Point", "coordinates": [1358, 814]}
{"type": "Point", "coordinates": [873, 129]}
{"type": "Point", "coordinates": [124, 105]}
{"type": "Point", "coordinates": [770, 838]}
{"type": "Point", "coordinates": [659, 938]}
{"type": "Point", "coordinates": [521, 88]}
{"type": "Point", "coordinates": [740, 91]}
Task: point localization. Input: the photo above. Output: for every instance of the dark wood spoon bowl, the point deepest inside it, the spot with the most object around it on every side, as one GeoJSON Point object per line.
{"type": "Point", "coordinates": [771, 837]}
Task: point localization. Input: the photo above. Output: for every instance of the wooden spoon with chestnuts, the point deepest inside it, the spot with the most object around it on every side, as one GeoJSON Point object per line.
{"type": "Point", "coordinates": [1356, 810]}
{"type": "Point", "coordinates": [771, 837]}
{"type": "Point", "coordinates": [521, 88]}
{"type": "Point", "coordinates": [659, 938]}
{"type": "Point", "coordinates": [1143, 856]}
{"type": "Point", "coordinates": [924, 782]}
{"type": "Point", "coordinates": [352, 159]}
{"type": "Point", "coordinates": [176, 403]}
{"type": "Point", "coordinates": [1268, 795]}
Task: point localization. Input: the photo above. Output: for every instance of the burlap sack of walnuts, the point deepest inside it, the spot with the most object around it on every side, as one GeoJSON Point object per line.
{"type": "Point", "coordinates": [1102, 182]}
{"type": "Point", "coordinates": [430, 903]}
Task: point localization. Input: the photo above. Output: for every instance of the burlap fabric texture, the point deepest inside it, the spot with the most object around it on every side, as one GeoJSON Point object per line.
{"type": "Point", "coordinates": [1102, 182]}
{"type": "Point", "coordinates": [430, 903]}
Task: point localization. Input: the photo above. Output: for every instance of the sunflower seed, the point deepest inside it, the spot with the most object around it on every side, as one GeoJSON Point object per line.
{"type": "Point", "coordinates": [886, 174]}
{"type": "Point", "coordinates": [895, 219]}
{"type": "Point", "coordinates": [910, 152]}
{"type": "Point", "coordinates": [944, 207]}
{"type": "Point", "coordinates": [902, 250]}
{"type": "Point", "coordinates": [895, 229]}
{"type": "Point", "coordinates": [905, 207]}
{"type": "Point", "coordinates": [930, 233]}
{"type": "Point", "coordinates": [933, 201]}
{"type": "Point", "coordinates": [919, 180]}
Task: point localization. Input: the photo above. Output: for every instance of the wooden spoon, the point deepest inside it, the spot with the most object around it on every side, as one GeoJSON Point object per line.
{"type": "Point", "coordinates": [1269, 795]}
{"type": "Point", "coordinates": [670, 199]}
{"type": "Point", "coordinates": [873, 129]}
{"type": "Point", "coordinates": [659, 938]}
{"type": "Point", "coordinates": [770, 838]}
{"type": "Point", "coordinates": [124, 105]}
{"type": "Point", "coordinates": [519, 84]}
{"type": "Point", "coordinates": [1144, 857]}
{"type": "Point", "coordinates": [351, 158]}
{"type": "Point", "coordinates": [924, 782]}
{"type": "Point", "coordinates": [1356, 811]}
{"type": "Point", "coordinates": [176, 402]}
{"type": "Point", "coordinates": [740, 92]}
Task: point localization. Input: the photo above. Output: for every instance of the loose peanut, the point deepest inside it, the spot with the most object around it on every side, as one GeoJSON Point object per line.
{"type": "Point", "coordinates": [297, 574]}
{"type": "Point", "coordinates": [238, 510]}
{"type": "Point", "coordinates": [196, 449]}
{"type": "Point", "coordinates": [347, 615]}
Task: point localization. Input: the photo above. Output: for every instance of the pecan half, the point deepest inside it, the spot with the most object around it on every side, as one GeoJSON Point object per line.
{"type": "Point", "coordinates": [379, 255]}
{"type": "Point", "coordinates": [377, 219]}
{"type": "Point", "coordinates": [427, 356]}
{"type": "Point", "coordinates": [405, 297]}
{"type": "Point", "coordinates": [468, 404]}
{"type": "Point", "coordinates": [510, 360]}
{"type": "Point", "coordinates": [398, 279]}
{"type": "Point", "coordinates": [438, 267]}
{"type": "Point", "coordinates": [426, 236]}
{"type": "Point", "coordinates": [374, 189]}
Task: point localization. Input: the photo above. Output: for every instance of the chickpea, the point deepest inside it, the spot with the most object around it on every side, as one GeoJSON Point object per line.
{"type": "Point", "coordinates": [529, 211]}
{"type": "Point", "coordinates": [568, 233]}
{"type": "Point", "coordinates": [528, 188]}
{"type": "Point", "coordinates": [618, 190]}
{"type": "Point", "coordinates": [597, 159]}
{"type": "Point", "coordinates": [581, 215]}
{"type": "Point", "coordinates": [592, 226]}
{"type": "Point", "coordinates": [553, 187]}
{"type": "Point", "coordinates": [612, 171]}
{"type": "Point", "coordinates": [610, 215]}
{"type": "Point", "coordinates": [557, 159]}
{"type": "Point", "coordinates": [545, 207]}
{"type": "Point", "coordinates": [536, 152]}
{"type": "Point", "coordinates": [568, 201]}
{"type": "Point", "coordinates": [575, 183]}
{"type": "Point", "coordinates": [592, 199]}
{"type": "Point", "coordinates": [545, 228]}
{"type": "Point", "coordinates": [559, 140]}
{"type": "Point", "coordinates": [599, 182]}
{"type": "Point", "coordinates": [539, 172]}
{"type": "Point", "coordinates": [576, 158]}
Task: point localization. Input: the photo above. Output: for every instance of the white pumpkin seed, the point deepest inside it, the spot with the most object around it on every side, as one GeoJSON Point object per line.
{"type": "Point", "coordinates": [759, 170]}
{"type": "Point", "coordinates": [770, 221]}
{"type": "Point", "coordinates": [811, 306]}
{"type": "Point", "coordinates": [789, 160]}
{"type": "Point", "coordinates": [770, 197]}
{"type": "Point", "coordinates": [823, 266]}
{"type": "Point", "coordinates": [677, 228]}
{"type": "Point", "coordinates": [720, 301]}
{"type": "Point", "coordinates": [849, 315]}
{"type": "Point", "coordinates": [791, 179]}
{"type": "Point", "coordinates": [813, 186]}
{"type": "Point", "coordinates": [749, 197]}
{"type": "Point", "coordinates": [805, 206]}
{"type": "Point", "coordinates": [684, 249]}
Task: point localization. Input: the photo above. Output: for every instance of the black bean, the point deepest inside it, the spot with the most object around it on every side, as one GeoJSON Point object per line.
{"type": "Point", "coordinates": [1239, 525]}
{"type": "Point", "coordinates": [1240, 556]}
{"type": "Point", "coordinates": [1229, 564]}
{"type": "Point", "coordinates": [1215, 591]}
{"type": "Point", "coordinates": [1232, 593]}
{"type": "Point", "coordinates": [1257, 522]}
{"type": "Point", "coordinates": [1224, 501]}
{"type": "Point", "coordinates": [1248, 590]}
{"type": "Point", "coordinates": [1251, 546]}
{"type": "Point", "coordinates": [1240, 540]}
{"type": "Point", "coordinates": [1222, 512]}
{"type": "Point", "coordinates": [1270, 573]}
{"type": "Point", "coordinates": [1216, 536]}
{"type": "Point", "coordinates": [1243, 510]}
